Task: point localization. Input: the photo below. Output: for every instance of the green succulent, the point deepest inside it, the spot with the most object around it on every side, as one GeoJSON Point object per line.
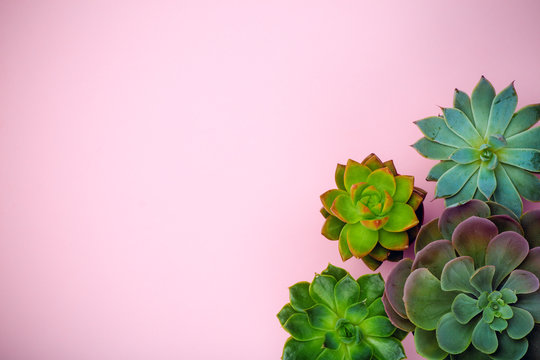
{"type": "Point", "coordinates": [486, 151]}
{"type": "Point", "coordinates": [374, 212]}
{"type": "Point", "coordinates": [472, 292]}
{"type": "Point", "coordinates": [338, 318]}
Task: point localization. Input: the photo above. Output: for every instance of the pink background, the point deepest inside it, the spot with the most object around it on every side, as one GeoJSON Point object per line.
{"type": "Point", "coordinates": [162, 160]}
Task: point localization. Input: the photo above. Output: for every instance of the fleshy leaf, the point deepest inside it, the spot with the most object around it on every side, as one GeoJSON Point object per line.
{"type": "Point", "coordinates": [522, 282]}
{"type": "Point", "coordinates": [331, 341]}
{"type": "Point", "coordinates": [481, 100]}
{"type": "Point", "coordinates": [510, 349]}
{"type": "Point", "coordinates": [376, 308]}
{"type": "Point", "coordinates": [498, 324]}
{"type": "Point", "coordinates": [346, 293]}
{"type": "Point", "coordinates": [334, 271]}
{"type": "Point", "coordinates": [327, 199]}
{"type": "Point", "coordinates": [464, 309]}
{"type": "Point", "coordinates": [532, 262]}
{"type": "Point", "coordinates": [377, 326]}
{"type": "Point", "coordinates": [379, 253]}
{"type": "Point", "coordinates": [375, 224]}
{"type": "Point", "coordinates": [427, 345]}
{"type": "Point", "coordinates": [505, 193]}
{"type": "Point", "coordinates": [371, 287]}
{"type": "Point", "coordinates": [360, 351]}
{"type": "Point", "coordinates": [355, 173]}
{"type": "Point", "coordinates": [523, 120]}
{"type": "Point", "coordinates": [402, 217]}
{"type": "Point", "coordinates": [339, 176]}
{"type": "Point", "coordinates": [454, 179]}
{"type": "Point", "coordinates": [434, 257]}
{"type": "Point", "coordinates": [423, 291]}
{"type": "Point", "coordinates": [395, 284]}
{"type": "Point", "coordinates": [531, 303]}
{"type": "Point", "coordinates": [356, 313]}
{"type": "Point", "coordinates": [343, 245]}
{"type": "Point", "coordinates": [433, 150]}
{"type": "Point", "coordinates": [404, 188]}
{"type": "Point", "coordinates": [373, 162]}
{"type": "Point", "coordinates": [529, 139]}
{"type": "Point", "coordinates": [465, 155]}
{"type": "Point", "coordinates": [506, 251]}
{"type": "Point", "coordinates": [506, 223]}
{"type": "Point", "coordinates": [528, 159]}
{"type": "Point", "coordinates": [436, 171]}
{"type": "Point", "coordinates": [458, 122]}
{"type": "Point", "coordinates": [452, 217]}
{"type": "Point", "coordinates": [398, 321]}
{"type": "Point", "coordinates": [428, 233]}
{"type": "Point", "coordinates": [344, 208]}
{"type": "Point", "coordinates": [466, 193]}
{"type": "Point", "coordinates": [472, 236]}
{"type": "Point", "coordinates": [386, 348]}
{"type": "Point", "coordinates": [302, 350]}
{"type": "Point", "coordinates": [484, 338]}
{"type": "Point", "coordinates": [520, 325]}
{"type": "Point", "coordinates": [502, 109]}
{"type": "Point", "coordinates": [393, 240]}
{"type": "Point", "coordinates": [285, 313]}
{"type": "Point", "coordinates": [383, 180]}
{"type": "Point", "coordinates": [299, 296]}
{"type": "Point", "coordinates": [321, 317]}
{"type": "Point", "coordinates": [482, 279]}
{"type": "Point", "coordinates": [371, 263]}
{"type": "Point", "coordinates": [527, 184]}
{"type": "Point", "coordinates": [456, 274]}
{"type": "Point", "coordinates": [299, 327]}
{"type": "Point", "coordinates": [321, 290]}
{"type": "Point", "coordinates": [435, 129]}
{"type": "Point", "coordinates": [463, 103]}
{"type": "Point", "coordinates": [486, 180]}
{"type": "Point", "coordinates": [332, 228]}
{"type": "Point", "coordinates": [361, 240]}
{"type": "Point", "coordinates": [452, 336]}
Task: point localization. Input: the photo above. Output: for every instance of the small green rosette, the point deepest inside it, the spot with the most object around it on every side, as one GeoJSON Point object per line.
{"type": "Point", "coordinates": [374, 213]}
{"type": "Point", "coordinates": [338, 318]}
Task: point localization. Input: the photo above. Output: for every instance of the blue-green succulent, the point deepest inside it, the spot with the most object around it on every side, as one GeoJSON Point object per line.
{"type": "Point", "coordinates": [486, 150]}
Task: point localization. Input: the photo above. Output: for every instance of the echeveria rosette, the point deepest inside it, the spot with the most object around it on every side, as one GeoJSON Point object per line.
{"type": "Point", "coordinates": [486, 150]}
{"type": "Point", "coordinates": [472, 291]}
{"type": "Point", "coordinates": [374, 212]}
{"type": "Point", "coordinates": [338, 318]}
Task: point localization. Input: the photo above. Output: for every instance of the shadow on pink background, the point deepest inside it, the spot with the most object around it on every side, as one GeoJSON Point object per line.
{"type": "Point", "coordinates": [162, 161]}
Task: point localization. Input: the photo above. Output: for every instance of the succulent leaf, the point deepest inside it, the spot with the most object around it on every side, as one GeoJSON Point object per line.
{"type": "Point", "coordinates": [453, 336]}
{"type": "Point", "coordinates": [355, 173]}
{"type": "Point", "coordinates": [458, 122]}
{"type": "Point", "coordinates": [472, 236]}
{"type": "Point", "coordinates": [521, 324]}
{"type": "Point", "coordinates": [464, 309]}
{"type": "Point", "coordinates": [436, 171]}
{"type": "Point", "coordinates": [521, 282]}
{"type": "Point", "coordinates": [433, 150]}
{"type": "Point", "coordinates": [436, 129]}
{"type": "Point", "coordinates": [339, 176]}
{"type": "Point", "coordinates": [454, 179]}
{"type": "Point", "coordinates": [484, 338]}
{"type": "Point", "coordinates": [434, 257]}
{"type": "Point", "coordinates": [456, 275]}
{"type": "Point", "coordinates": [502, 109]}
{"type": "Point", "coordinates": [527, 184]}
{"type": "Point", "coordinates": [332, 228]}
{"type": "Point", "coordinates": [481, 101]}
{"type": "Point", "coordinates": [463, 103]}
{"type": "Point", "coordinates": [346, 321]}
{"type": "Point", "coordinates": [427, 345]}
{"type": "Point", "coordinates": [506, 193]}
{"type": "Point", "coordinates": [523, 120]}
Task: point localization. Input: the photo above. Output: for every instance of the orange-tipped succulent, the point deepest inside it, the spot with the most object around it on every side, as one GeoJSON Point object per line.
{"type": "Point", "coordinates": [375, 213]}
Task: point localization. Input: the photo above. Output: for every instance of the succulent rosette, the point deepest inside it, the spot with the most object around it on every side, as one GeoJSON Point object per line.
{"type": "Point", "coordinates": [338, 318]}
{"type": "Point", "coordinates": [472, 292]}
{"type": "Point", "coordinates": [374, 212]}
{"type": "Point", "coordinates": [486, 150]}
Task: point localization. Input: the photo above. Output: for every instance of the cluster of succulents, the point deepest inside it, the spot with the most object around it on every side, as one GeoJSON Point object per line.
{"type": "Point", "coordinates": [486, 151]}
{"type": "Point", "coordinates": [374, 213]}
{"type": "Point", "coordinates": [472, 289]}
{"type": "Point", "coordinates": [338, 318]}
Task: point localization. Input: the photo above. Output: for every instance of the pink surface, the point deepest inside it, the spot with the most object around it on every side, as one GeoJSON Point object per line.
{"type": "Point", "coordinates": [162, 161]}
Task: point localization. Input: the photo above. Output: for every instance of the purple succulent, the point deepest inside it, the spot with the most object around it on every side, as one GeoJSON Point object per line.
{"type": "Point", "coordinates": [472, 291]}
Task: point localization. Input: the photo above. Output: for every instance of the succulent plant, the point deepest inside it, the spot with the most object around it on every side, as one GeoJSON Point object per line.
{"type": "Point", "coordinates": [472, 292]}
{"type": "Point", "coordinates": [486, 151]}
{"type": "Point", "coordinates": [338, 318]}
{"type": "Point", "coordinates": [374, 212]}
